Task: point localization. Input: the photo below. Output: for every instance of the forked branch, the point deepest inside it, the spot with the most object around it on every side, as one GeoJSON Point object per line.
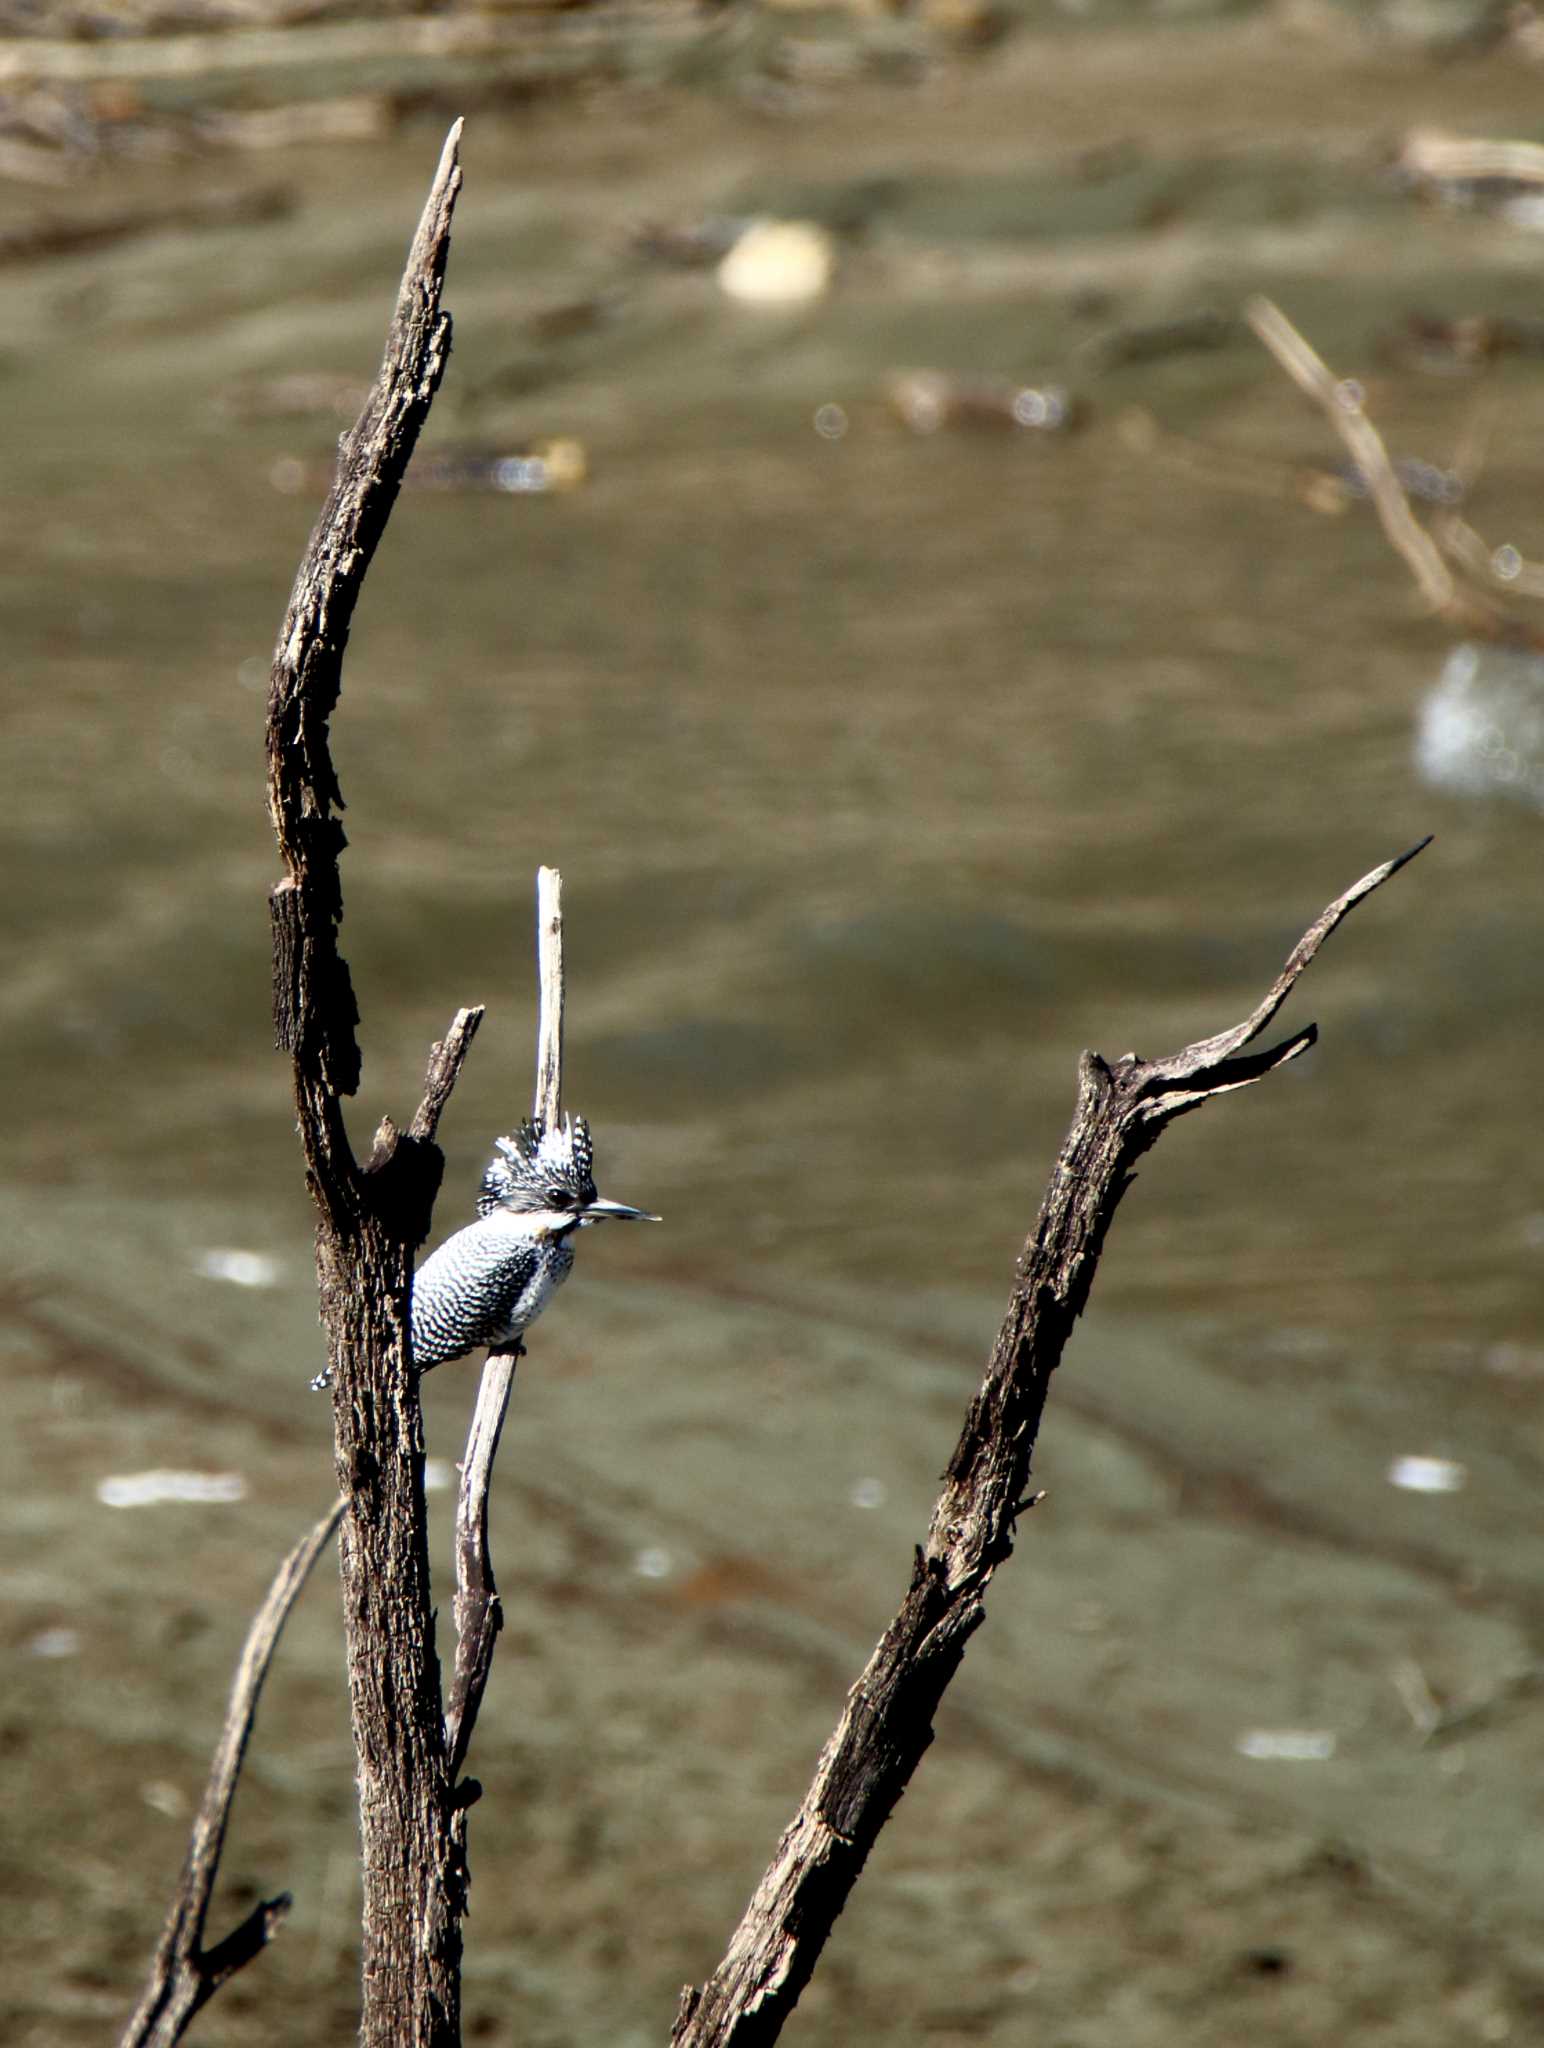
{"type": "Point", "coordinates": [185, 1975]}
{"type": "Point", "coordinates": [887, 1724]}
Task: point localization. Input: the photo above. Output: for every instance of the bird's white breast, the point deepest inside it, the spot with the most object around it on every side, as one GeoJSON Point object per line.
{"type": "Point", "coordinates": [550, 1270]}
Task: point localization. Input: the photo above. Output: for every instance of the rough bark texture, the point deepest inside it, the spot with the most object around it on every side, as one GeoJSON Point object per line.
{"type": "Point", "coordinates": [887, 1724]}
{"type": "Point", "coordinates": [371, 1218]}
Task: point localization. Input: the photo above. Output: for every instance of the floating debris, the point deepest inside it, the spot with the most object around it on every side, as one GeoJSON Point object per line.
{"type": "Point", "coordinates": [567, 318]}
{"type": "Point", "coordinates": [1505, 178]}
{"type": "Point", "coordinates": [299, 394]}
{"type": "Point", "coordinates": [693, 245]}
{"type": "Point", "coordinates": [149, 1489]}
{"type": "Point", "coordinates": [653, 1563]}
{"type": "Point", "coordinates": [868, 1493]}
{"type": "Point", "coordinates": [55, 1642]}
{"type": "Point", "coordinates": [1150, 342]}
{"type": "Point", "coordinates": [1288, 1745]}
{"type": "Point", "coordinates": [1344, 403]}
{"type": "Point", "coordinates": [1429, 343]}
{"type": "Point", "coordinates": [241, 1269]}
{"type": "Point", "coordinates": [928, 400]}
{"type": "Point", "coordinates": [1480, 731]}
{"type": "Point", "coordinates": [966, 24]}
{"type": "Point", "coordinates": [1426, 481]}
{"type": "Point", "coordinates": [779, 263]}
{"type": "Point", "coordinates": [25, 242]}
{"type": "Point", "coordinates": [356, 117]}
{"type": "Point", "coordinates": [1428, 1475]}
{"type": "Point", "coordinates": [559, 464]}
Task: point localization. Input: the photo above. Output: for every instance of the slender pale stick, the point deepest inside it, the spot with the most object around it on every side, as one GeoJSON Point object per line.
{"type": "Point", "coordinates": [478, 1610]}
{"type": "Point", "coordinates": [547, 1105]}
{"type": "Point", "coordinates": [1341, 401]}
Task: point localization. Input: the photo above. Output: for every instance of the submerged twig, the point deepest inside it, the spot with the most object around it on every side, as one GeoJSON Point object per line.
{"type": "Point", "coordinates": [185, 1974]}
{"type": "Point", "coordinates": [478, 1610]}
{"type": "Point", "coordinates": [1340, 399]}
{"type": "Point", "coordinates": [887, 1723]}
{"type": "Point", "coordinates": [1432, 158]}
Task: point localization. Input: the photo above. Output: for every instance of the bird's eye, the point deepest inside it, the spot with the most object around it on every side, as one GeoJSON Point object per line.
{"type": "Point", "coordinates": [558, 1197]}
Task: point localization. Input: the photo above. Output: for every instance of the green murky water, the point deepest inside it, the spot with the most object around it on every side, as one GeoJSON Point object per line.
{"type": "Point", "coordinates": [885, 773]}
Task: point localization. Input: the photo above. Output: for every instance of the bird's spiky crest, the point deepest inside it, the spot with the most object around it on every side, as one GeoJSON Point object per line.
{"type": "Point", "coordinates": [533, 1164]}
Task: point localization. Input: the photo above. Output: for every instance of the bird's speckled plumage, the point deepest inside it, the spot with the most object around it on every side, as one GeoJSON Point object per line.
{"type": "Point", "coordinates": [492, 1280]}
{"type": "Point", "coordinates": [485, 1285]}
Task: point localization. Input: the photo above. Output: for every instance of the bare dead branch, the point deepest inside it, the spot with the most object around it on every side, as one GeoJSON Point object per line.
{"type": "Point", "coordinates": [1340, 399]}
{"type": "Point", "coordinates": [370, 1220]}
{"type": "Point", "coordinates": [478, 1610]}
{"type": "Point", "coordinates": [185, 1975]}
{"type": "Point", "coordinates": [314, 1010]}
{"type": "Point", "coordinates": [445, 1064]}
{"type": "Point", "coordinates": [887, 1724]}
{"type": "Point", "coordinates": [547, 1102]}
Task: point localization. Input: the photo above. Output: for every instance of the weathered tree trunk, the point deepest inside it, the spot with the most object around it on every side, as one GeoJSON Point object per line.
{"type": "Point", "coordinates": [372, 1218]}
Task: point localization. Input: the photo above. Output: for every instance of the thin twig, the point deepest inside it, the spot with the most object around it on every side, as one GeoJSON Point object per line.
{"type": "Point", "coordinates": [186, 1974]}
{"type": "Point", "coordinates": [478, 1610]}
{"type": "Point", "coordinates": [886, 1725]}
{"type": "Point", "coordinates": [1340, 399]}
{"type": "Point", "coordinates": [547, 1103]}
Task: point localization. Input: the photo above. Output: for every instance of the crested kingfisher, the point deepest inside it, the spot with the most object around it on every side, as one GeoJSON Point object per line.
{"type": "Point", "coordinates": [493, 1279]}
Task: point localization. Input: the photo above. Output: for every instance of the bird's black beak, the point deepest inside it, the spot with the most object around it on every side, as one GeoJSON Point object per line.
{"type": "Point", "coordinates": [600, 1210]}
